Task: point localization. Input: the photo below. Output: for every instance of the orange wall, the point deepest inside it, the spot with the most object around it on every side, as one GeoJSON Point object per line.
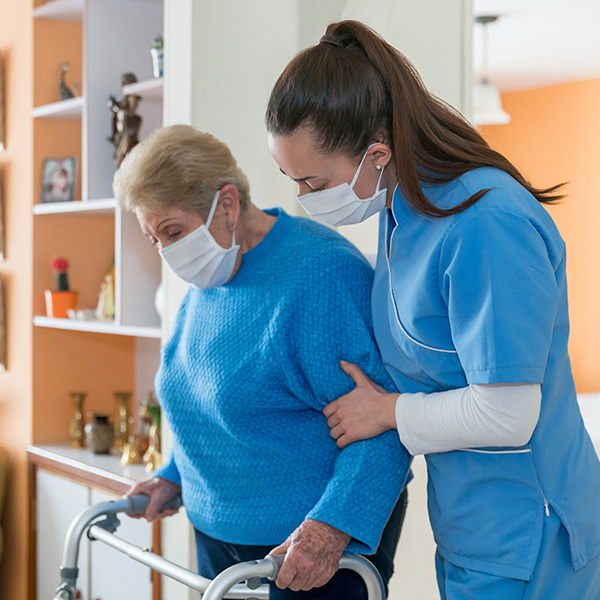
{"type": "Point", "coordinates": [15, 383]}
{"type": "Point", "coordinates": [553, 137]}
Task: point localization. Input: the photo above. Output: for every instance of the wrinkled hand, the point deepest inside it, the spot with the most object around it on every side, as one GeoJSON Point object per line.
{"type": "Point", "coordinates": [313, 554]}
{"type": "Point", "coordinates": [160, 491]}
{"type": "Point", "coordinates": [368, 410]}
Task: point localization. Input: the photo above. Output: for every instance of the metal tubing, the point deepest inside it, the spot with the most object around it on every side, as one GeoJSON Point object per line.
{"type": "Point", "coordinates": [79, 524]}
{"type": "Point", "coordinates": [166, 567]}
{"type": "Point", "coordinates": [269, 567]}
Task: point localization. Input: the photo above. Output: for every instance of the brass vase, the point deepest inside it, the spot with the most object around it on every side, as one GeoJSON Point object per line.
{"type": "Point", "coordinates": [122, 419]}
{"type": "Point", "coordinates": [153, 457]}
{"type": "Point", "coordinates": [76, 426]}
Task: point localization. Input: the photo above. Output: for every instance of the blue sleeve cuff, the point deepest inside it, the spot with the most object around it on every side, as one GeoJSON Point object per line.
{"type": "Point", "coordinates": [169, 471]}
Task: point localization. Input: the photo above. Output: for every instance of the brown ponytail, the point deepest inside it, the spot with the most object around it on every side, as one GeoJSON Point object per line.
{"type": "Point", "coordinates": [354, 86]}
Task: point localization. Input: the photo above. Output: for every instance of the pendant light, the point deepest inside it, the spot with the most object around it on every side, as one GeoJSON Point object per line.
{"type": "Point", "coordinates": [487, 107]}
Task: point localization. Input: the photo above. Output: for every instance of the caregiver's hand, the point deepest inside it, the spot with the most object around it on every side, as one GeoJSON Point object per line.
{"type": "Point", "coordinates": [160, 491]}
{"type": "Point", "coordinates": [313, 554]}
{"type": "Point", "coordinates": [365, 412]}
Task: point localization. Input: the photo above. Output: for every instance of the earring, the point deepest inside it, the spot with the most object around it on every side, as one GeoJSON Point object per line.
{"type": "Point", "coordinates": [378, 167]}
{"type": "Point", "coordinates": [229, 224]}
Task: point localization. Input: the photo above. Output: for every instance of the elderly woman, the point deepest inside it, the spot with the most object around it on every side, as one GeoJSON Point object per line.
{"type": "Point", "coordinates": [276, 304]}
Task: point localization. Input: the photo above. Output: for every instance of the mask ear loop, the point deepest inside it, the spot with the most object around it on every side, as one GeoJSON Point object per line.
{"type": "Point", "coordinates": [360, 167]}
{"type": "Point", "coordinates": [213, 208]}
{"type": "Point", "coordinates": [212, 212]}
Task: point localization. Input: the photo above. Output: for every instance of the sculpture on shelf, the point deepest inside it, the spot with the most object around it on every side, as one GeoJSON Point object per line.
{"type": "Point", "coordinates": [105, 309]}
{"type": "Point", "coordinates": [65, 92]}
{"type": "Point", "coordinates": [126, 123]}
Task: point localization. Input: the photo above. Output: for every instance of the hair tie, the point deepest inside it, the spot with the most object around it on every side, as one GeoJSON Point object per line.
{"type": "Point", "coordinates": [327, 39]}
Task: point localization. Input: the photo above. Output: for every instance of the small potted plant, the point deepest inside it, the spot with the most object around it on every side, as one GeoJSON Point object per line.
{"type": "Point", "coordinates": [157, 52]}
{"type": "Point", "coordinates": [61, 300]}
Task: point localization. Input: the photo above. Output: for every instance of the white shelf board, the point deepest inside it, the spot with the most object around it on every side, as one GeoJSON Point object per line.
{"type": "Point", "coordinates": [65, 109]}
{"type": "Point", "coordinates": [150, 89]}
{"type": "Point", "coordinates": [81, 207]}
{"type": "Point", "coordinates": [60, 10]}
{"type": "Point", "coordinates": [97, 327]}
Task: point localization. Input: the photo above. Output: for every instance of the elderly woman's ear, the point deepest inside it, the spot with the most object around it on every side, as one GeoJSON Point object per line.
{"type": "Point", "coordinates": [230, 205]}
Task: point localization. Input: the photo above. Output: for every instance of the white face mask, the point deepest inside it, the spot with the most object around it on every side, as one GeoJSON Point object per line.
{"type": "Point", "coordinates": [198, 259]}
{"type": "Point", "coordinates": [340, 205]}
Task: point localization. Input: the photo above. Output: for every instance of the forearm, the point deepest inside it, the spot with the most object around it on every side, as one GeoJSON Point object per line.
{"type": "Point", "coordinates": [367, 480]}
{"type": "Point", "coordinates": [470, 417]}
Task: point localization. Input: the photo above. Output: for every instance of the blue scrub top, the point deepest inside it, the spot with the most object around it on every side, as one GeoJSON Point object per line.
{"type": "Point", "coordinates": [481, 297]}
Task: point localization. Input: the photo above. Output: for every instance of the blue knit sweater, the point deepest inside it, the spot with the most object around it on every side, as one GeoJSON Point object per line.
{"type": "Point", "coordinates": [243, 382]}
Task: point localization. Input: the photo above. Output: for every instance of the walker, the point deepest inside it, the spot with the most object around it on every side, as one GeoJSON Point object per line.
{"type": "Point", "coordinates": [241, 581]}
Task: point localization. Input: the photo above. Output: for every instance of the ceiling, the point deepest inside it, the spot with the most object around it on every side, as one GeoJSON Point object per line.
{"type": "Point", "coordinates": [538, 42]}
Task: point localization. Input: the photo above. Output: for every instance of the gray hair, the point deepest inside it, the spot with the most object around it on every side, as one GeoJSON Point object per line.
{"type": "Point", "coordinates": [178, 166]}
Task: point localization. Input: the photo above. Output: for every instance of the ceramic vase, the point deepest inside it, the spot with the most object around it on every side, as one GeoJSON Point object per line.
{"type": "Point", "coordinates": [100, 435]}
{"type": "Point", "coordinates": [157, 61]}
{"type": "Point", "coordinates": [76, 426]}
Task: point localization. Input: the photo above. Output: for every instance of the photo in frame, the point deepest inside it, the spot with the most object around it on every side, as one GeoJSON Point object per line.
{"type": "Point", "coordinates": [58, 179]}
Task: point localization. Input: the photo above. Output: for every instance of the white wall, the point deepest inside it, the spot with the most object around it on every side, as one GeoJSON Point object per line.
{"type": "Point", "coordinates": [222, 59]}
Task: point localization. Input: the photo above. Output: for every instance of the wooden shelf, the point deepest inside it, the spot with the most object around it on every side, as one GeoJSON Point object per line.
{"type": "Point", "coordinates": [98, 327]}
{"type": "Point", "coordinates": [78, 208]}
{"type": "Point", "coordinates": [60, 10]}
{"type": "Point", "coordinates": [150, 89]}
{"type": "Point", "coordinates": [71, 109]}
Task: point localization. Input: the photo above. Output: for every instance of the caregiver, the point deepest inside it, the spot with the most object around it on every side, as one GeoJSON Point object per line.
{"type": "Point", "coordinates": [470, 314]}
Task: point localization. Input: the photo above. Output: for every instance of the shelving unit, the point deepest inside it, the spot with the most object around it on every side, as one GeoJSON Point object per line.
{"type": "Point", "coordinates": [101, 40]}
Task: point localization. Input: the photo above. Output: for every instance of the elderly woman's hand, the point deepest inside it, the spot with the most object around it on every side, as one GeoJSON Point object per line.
{"type": "Point", "coordinates": [313, 554]}
{"type": "Point", "coordinates": [368, 410]}
{"type": "Point", "coordinates": [160, 491]}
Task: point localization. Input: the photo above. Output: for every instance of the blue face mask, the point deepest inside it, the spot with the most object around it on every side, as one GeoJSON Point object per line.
{"type": "Point", "coordinates": [340, 205]}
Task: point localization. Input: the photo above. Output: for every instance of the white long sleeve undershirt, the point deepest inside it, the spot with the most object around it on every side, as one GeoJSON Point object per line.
{"type": "Point", "coordinates": [471, 417]}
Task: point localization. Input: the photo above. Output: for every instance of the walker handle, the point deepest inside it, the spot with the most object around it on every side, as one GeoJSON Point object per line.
{"type": "Point", "coordinates": [269, 567]}
{"type": "Point", "coordinates": [137, 505]}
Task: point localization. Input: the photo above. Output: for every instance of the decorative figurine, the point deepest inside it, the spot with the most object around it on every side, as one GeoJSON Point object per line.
{"type": "Point", "coordinates": [126, 123]}
{"type": "Point", "coordinates": [105, 310]}
{"type": "Point", "coordinates": [65, 92]}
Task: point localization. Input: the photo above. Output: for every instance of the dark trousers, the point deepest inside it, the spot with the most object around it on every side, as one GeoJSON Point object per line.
{"type": "Point", "coordinates": [215, 556]}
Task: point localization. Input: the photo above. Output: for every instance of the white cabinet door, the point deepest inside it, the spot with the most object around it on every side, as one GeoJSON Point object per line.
{"type": "Point", "coordinates": [114, 576]}
{"type": "Point", "coordinates": [59, 500]}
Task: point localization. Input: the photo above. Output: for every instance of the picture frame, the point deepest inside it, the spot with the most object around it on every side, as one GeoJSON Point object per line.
{"type": "Point", "coordinates": [3, 321]}
{"type": "Point", "coordinates": [2, 243]}
{"type": "Point", "coordinates": [2, 107]}
{"type": "Point", "coordinates": [59, 177]}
